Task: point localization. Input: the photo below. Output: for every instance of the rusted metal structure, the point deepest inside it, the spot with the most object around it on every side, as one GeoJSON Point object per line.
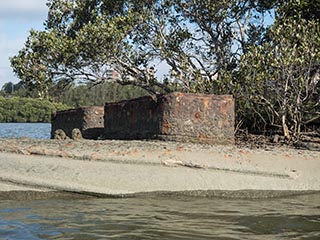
{"type": "Point", "coordinates": [183, 117]}
{"type": "Point", "coordinates": [88, 119]}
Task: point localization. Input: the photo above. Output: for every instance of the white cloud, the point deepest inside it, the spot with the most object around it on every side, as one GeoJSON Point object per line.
{"type": "Point", "coordinates": [23, 9]}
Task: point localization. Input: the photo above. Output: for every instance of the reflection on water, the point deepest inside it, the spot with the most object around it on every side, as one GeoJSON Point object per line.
{"type": "Point", "coordinates": [162, 218]}
{"type": "Point", "coordinates": [30, 130]}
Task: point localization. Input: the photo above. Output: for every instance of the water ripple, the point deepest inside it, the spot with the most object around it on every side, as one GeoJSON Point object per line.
{"type": "Point", "coordinates": [162, 218]}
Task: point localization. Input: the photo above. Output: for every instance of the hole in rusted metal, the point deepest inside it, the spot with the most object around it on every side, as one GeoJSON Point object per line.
{"type": "Point", "coordinates": [197, 115]}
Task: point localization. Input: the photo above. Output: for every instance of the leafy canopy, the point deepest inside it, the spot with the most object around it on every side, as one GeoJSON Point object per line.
{"type": "Point", "coordinates": [199, 40]}
{"type": "Point", "coordinates": [209, 46]}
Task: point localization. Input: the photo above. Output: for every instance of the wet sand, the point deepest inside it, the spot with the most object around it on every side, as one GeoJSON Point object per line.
{"type": "Point", "coordinates": [124, 168]}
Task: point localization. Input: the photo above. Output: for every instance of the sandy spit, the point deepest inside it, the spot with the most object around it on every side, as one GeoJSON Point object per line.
{"type": "Point", "coordinates": [119, 168]}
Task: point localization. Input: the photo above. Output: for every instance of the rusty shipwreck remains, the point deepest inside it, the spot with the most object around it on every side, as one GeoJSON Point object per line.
{"type": "Point", "coordinates": [88, 119]}
{"type": "Point", "coordinates": [183, 117]}
{"type": "Point", "coordinates": [175, 116]}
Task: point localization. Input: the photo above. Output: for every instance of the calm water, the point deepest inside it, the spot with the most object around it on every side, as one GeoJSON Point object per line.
{"type": "Point", "coordinates": [154, 217]}
{"type": "Point", "coordinates": [31, 130]}
{"type": "Point", "coordinates": [162, 218]}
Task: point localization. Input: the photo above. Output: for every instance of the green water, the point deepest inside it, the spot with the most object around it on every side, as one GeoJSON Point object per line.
{"type": "Point", "coordinates": [153, 217]}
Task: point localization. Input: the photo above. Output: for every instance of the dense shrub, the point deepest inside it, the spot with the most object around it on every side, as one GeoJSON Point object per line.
{"type": "Point", "coordinates": [17, 109]}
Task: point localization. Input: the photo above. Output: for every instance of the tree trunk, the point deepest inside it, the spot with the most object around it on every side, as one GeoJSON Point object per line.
{"type": "Point", "coordinates": [285, 129]}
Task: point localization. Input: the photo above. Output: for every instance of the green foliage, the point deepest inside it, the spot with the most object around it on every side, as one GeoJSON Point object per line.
{"type": "Point", "coordinates": [219, 47]}
{"type": "Point", "coordinates": [82, 42]}
{"type": "Point", "coordinates": [17, 109]}
{"type": "Point", "coordinates": [31, 65]}
{"type": "Point", "coordinates": [80, 95]}
{"type": "Point", "coordinates": [306, 9]}
{"type": "Point", "coordinates": [98, 95]}
{"type": "Point", "coordinates": [281, 78]}
{"type": "Point", "coordinates": [199, 40]}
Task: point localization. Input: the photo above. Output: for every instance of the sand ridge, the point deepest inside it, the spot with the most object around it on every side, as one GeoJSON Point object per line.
{"type": "Point", "coordinates": [127, 167]}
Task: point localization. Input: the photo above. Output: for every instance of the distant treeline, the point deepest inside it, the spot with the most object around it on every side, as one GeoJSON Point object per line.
{"type": "Point", "coordinates": [17, 109]}
{"type": "Point", "coordinates": [98, 95]}
{"type": "Point", "coordinates": [20, 104]}
{"type": "Point", "coordinates": [78, 95]}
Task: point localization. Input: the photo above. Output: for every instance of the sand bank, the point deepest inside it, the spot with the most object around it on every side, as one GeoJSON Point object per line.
{"type": "Point", "coordinates": [124, 168]}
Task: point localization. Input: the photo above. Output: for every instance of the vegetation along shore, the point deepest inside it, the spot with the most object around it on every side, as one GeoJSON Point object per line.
{"type": "Point", "coordinates": [265, 54]}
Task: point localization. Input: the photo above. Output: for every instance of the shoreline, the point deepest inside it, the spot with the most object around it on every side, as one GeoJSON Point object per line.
{"type": "Point", "coordinates": [111, 168]}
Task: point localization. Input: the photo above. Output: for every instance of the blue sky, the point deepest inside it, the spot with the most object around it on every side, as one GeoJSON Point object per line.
{"type": "Point", "coordinates": [17, 17]}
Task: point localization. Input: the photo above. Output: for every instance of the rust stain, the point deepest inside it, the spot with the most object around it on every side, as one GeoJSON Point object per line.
{"type": "Point", "coordinates": [165, 127]}
{"type": "Point", "coordinates": [132, 152]}
{"type": "Point", "coordinates": [180, 148]}
{"type": "Point", "coordinates": [178, 96]}
{"type": "Point", "coordinates": [206, 103]}
{"type": "Point", "coordinates": [96, 156]}
{"type": "Point", "coordinates": [203, 137]}
{"type": "Point", "coordinates": [197, 115]}
{"type": "Point", "coordinates": [194, 117]}
{"type": "Point", "coordinates": [242, 152]}
{"type": "Point", "coordinates": [223, 108]}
